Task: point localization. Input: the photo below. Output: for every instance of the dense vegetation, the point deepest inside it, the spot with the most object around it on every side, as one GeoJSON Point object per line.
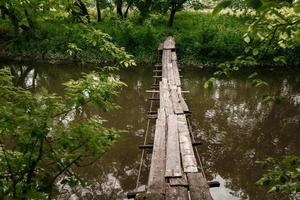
{"type": "Point", "coordinates": [215, 39]}
{"type": "Point", "coordinates": [50, 33]}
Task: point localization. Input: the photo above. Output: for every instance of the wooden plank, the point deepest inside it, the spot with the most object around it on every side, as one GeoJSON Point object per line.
{"type": "Point", "coordinates": [176, 73]}
{"type": "Point", "coordinates": [161, 95]}
{"type": "Point", "coordinates": [173, 164]}
{"type": "Point", "coordinates": [166, 97]}
{"type": "Point", "coordinates": [180, 181]}
{"type": "Point", "coordinates": [171, 78]}
{"type": "Point", "coordinates": [198, 186]}
{"type": "Point", "coordinates": [156, 182]}
{"type": "Point", "coordinates": [175, 100]}
{"type": "Point", "coordinates": [164, 64]}
{"type": "Point", "coordinates": [189, 162]}
{"type": "Point", "coordinates": [169, 43]}
{"type": "Point", "coordinates": [182, 101]}
{"type": "Point", "coordinates": [174, 56]}
{"type": "Point", "coordinates": [176, 193]}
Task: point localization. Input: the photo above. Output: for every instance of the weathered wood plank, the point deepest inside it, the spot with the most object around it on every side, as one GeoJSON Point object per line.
{"type": "Point", "coordinates": [176, 193]}
{"type": "Point", "coordinates": [176, 73]}
{"type": "Point", "coordinates": [199, 188]}
{"type": "Point", "coordinates": [166, 97]}
{"type": "Point", "coordinates": [170, 71]}
{"type": "Point", "coordinates": [175, 100]}
{"type": "Point", "coordinates": [169, 43]}
{"type": "Point", "coordinates": [180, 181]}
{"type": "Point", "coordinates": [174, 56]}
{"type": "Point", "coordinates": [156, 182]}
{"type": "Point", "coordinates": [182, 101]}
{"type": "Point", "coordinates": [173, 164]}
{"type": "Point", "coordinates": [186, 148]}
{"type": "Point", "coordinates": [164, 64]}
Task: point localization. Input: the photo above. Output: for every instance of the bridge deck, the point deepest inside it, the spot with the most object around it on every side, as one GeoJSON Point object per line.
{"type": "Point", "coordinates": [174, 172]}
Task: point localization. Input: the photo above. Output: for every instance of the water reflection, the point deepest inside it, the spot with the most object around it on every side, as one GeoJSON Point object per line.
{"type": "Point", "coordinates": [236, 127]}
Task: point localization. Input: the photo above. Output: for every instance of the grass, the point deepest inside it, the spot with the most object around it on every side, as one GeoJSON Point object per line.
{"type": "Point", "coordinates": [201, 38]}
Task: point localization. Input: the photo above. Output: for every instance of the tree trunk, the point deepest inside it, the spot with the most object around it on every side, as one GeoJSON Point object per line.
{"type": "Point", "coordinates": [119, 9]}
{"type": "Point", "coordinates": [127, 9]}
{"type": "Point", "coordinates": [84, 10]}
{"type": "Point", "coordinates": [171, 18]}
{"type": "Point", "coordinates": [98, 10]}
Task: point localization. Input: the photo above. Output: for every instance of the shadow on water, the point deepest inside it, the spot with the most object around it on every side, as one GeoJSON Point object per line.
{"type": "Point", "coordinates": [236, 128]}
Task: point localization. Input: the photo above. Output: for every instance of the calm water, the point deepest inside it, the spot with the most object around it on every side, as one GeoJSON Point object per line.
{"type": "Point", "coordinates": [236, 128]}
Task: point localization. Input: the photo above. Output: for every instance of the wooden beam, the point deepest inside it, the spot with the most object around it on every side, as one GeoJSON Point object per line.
{"type": "Point", "coordinates": [176, 193]}
{"type": "Point", "coordinates": [173, 162]}
{"type": "Point", "coordinates": [186, 148]}
{"type": "Point", "coordinates": [169, 43]}
{"type": "Point", "coordinates": [175, 101]}
{"type": "Point", "coordinates": [180, 181]}
{"type": "Point", "coordinates": [213, 184]}
{"type": "Point", "coordinates": [198, 187]}
{"type": "Point", "coordinates": [156, 182]}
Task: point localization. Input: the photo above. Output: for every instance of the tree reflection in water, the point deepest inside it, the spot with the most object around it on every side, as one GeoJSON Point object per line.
{"type": "Point", "coordinates": [236, 127]}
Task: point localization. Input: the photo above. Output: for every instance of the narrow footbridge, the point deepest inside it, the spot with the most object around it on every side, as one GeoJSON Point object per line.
{"type": "Point", "coordinates": [175, 172]}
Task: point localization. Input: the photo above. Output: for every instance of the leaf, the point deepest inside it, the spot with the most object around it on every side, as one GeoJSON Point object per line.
{"type": "Point", "coordinates": [255, 52]}
{"type": "Point", "coordinates": [247, 39]}
{"type": "Point", "coordinates": [221, 6]}
{"type": "Point", "coordinates": [273, 189]}
{"type": "Point", "coordinates": [280, 59]}
{"type": "Point", "coordinates": [253, 75]}
{"type": "Point", "coordinates": [209, 84]}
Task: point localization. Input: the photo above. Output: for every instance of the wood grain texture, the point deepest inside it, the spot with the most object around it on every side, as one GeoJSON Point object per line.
{"type": "Point", "coordinates": [173, 162]}
{"type": "Point", "coordinates": [180, 181]}
{"type": "Point", "coordinates": [182, 101]}
{"type": "Point", "coordinates": [198, 187]}
{"type": "Point", "coordinates": [156, 182]}
{"type": "Point", "coordinates": [169, 43]}
{"type": "Point", "coordinates": [176, 193]}
{"type": "Point", "coordinates": [186, 148]}
{"type": "Point", "coordinates": [176, 73]}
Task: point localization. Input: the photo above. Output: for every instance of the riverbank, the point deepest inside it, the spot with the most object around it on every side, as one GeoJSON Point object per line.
{"type": "Point", "coordinates": [201, 39]}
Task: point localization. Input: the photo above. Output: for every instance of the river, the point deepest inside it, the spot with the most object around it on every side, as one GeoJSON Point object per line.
{"type": "Point", "coordinates": [236, 127]}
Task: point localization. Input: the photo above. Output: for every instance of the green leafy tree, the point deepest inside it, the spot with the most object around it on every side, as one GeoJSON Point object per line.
{"type": "Point", "coordinates": [174, 6]}
{"type": "Point", "coordinates": [275, 30]}
{"type": "Point", "coordinates": [44, 135]}
{"type": "Point", "coordinates": [101, 4]}
{"type": "Point", "coordinates": [282, 176]}
{"type": "Point", "coordinates": [21, 13]}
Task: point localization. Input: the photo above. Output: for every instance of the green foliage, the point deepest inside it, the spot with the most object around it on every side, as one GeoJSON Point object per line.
{"type": "Point", "coordinates": [221, 6]}
{"type": "Point", "coordinates": [282, 176]}
{"type": "Point", "coordinates": [44, 135]}
{"type": "Point", "coordinates": [273, 35]}
{"type": "Point", "coordinates": [209, 84]}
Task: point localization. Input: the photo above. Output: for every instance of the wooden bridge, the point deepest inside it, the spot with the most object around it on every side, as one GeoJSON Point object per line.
{"type": "Point", "coordinates": [174, 172]}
